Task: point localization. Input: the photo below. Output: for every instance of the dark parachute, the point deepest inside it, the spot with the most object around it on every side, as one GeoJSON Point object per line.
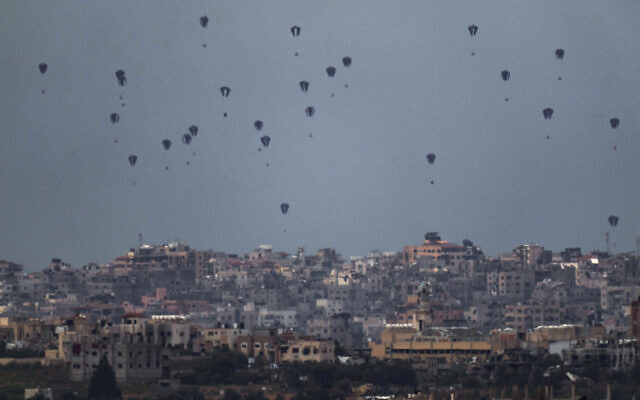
{"type": "Point", "coordinates": [472, 30]}
{"type": "Point", "coordinates": [43, 67]}
{"type": "Point", "coordinates": [166, 144]}
{"type": "Point", "coordinates": [331, 71]}
{"type": "Point", "coordinates": [346, 61]}
{"type": "Point", "coordinates": [547, 113]}
{"type": "Point", "coordinates": [186, 138]}
{"type": "Point", "coordinates": [614, 123]}
{"type": "Point", "coordinates": [284, 207]}
{"type": "Point", "coordinates": [310, 111]}
{"type": "Point", "coordinates": [114, 117]}
{"type": "Point", "coordinates": [258, 125]}
{"type": "Point", "coordinates": [304, 86]}
{"type": "Point", "coordinates": [431, 158]}
{"type": "Point", "coordinates": [559, 54]}
{"type": "Point", "coordinates": [613, 220]}
{"type": "Point", "coordinates": [194, 130]}
{"type": "Point", "coordinates": [265, 141]}
{"type": "Point", "coordinates": [225, 91]}
{"type": "Point", "coordinates": [505, 75]}
{"type": "Point", "coordinates": [204, 21]}
{"type": "Point", "coordinates": [122, 80]}
{"type": "Point", "coordinates": [295, 30]}
{"type": "Point", "coordinates": [132, 159]}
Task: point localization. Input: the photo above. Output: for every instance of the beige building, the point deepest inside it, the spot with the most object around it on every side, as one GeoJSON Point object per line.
{"type": "Point", "coordinates": [441, 345]}
{"type": "Point", "coordinates": [307, 348]}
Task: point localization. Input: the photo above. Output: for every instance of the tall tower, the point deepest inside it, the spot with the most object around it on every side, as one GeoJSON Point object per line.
{"type": "Point", "coordinates": [423, 315]}
{"type": "Point", "coordinates": [301, 259]}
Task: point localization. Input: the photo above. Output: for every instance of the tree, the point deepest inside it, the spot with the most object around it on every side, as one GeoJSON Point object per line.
{"type": "Point", "coordinates": [103, 385]}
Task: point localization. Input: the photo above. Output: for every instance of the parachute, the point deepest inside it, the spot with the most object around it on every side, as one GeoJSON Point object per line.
{"type": "Point", "coordinates": [304, 86]}
{"type": "Point", "coordinates": [547, 113]}
{"type": "Point", "coordinates": [43, 67]}
{"type": "Point", "coordinates": [431, 158]}
{"type": "Point", "coordinates": [166, 144]}
{"type": "Point", "coordinates": [559, 54]}
{"type": "Point", "coordinates": [265, 141]}
{"type": "Point", "coordinates": [122, 80]}
{"type": "Point", "coordinates": [613, 220]}
{"type": "Point", "coordinates": [295, 30]}
{"type": "Point", "coordinates": [225, 91]}
{"type": "Point", "coordinates": [346, 61]}
{"type": "Point", "coordinates": [331, 71]}
{"type": "Point", "coordinates": [614, 123]}
{"type": "Point", "coordinates": [186, 138]}
{"type": "Point", "coordinates": [258, 125]}
{"type": "Point", "coordinates": [472, 30]}
{"type": "Point", "coordinates": [114, 117]}
{"type": "Point", "coordinates": [284, 207]}
{"type": "Point", "coordinates": [310, 111]}
{"type": "Point", "coordinates": [505, 75]}
{"type": "Point", "coordinates": [132, 159]}
{"type": "Point", "coordinates": [204, 21]}
{"type": "Point", "coordinates": [193, 130]}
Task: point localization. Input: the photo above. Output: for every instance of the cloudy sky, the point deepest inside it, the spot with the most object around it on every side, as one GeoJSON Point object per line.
{"type": "Point", "coordinates": [362, 180]}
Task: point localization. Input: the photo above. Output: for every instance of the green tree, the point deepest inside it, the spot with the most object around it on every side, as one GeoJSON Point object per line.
{"type": "Point", "coordinates": [103, 385]}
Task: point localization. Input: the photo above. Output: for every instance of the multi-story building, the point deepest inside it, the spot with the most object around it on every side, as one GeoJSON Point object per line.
{"type": "Point", "coordinates": [515, 284]}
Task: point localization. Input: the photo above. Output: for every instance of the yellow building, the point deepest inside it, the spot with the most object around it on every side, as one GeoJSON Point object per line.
{"type": "Point", "coordinates": [443, 345]}
{"type": "Point", "coordinates": [419, 341]}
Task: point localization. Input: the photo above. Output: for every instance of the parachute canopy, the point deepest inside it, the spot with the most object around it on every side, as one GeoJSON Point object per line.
{"type": "Point", "coordinates": [547, 113]}
{"type": "Point", "coordinates": [225, 91]}
{"type": "Point", "coordinates": [258, 125]}
{"type": "Point", "coordinates": [204, 21]}
{"type": "Point", "coordinates": [43, 67]}
{"type": "Point", "coordinates": [559, 54]}
{"type": "Point", "coordinates": [265, 141]}
{"type": "Point", "coordinates": [186, 138]}
{"type": "Point", "coordinates": [310, 111]}
{"type": "Point", "coordinates": [132, 159]}
{"type": "Point", "coordinates": [346, 61]}
{"type": "Point", "coordinates": [193, 130]}
{"type": "Point", "coordinates": [295, 30]}
{"type": "Point", "coordinates": [431, 158]}
{"type": "Point", "coordinates": [114, 117]}
{"type": "Point", "coordinates": [122, 79]}
{"type": "Point", "coordinates": [331, 71]}
{"type": "Point", "coordinates": [614, 123]}
{"type": "Point", "coordinates": [472, 30]}
{"type": "Point", "coordinates": [304, 86]}
{"type": "Point", "coordinates": [505, 75]}
{"type": "Point", "coordinates": [284, 207]}
{"type": "Point", "coordinates": [613, 220]}
{"type": "Point", "coordinates": [166, 144]}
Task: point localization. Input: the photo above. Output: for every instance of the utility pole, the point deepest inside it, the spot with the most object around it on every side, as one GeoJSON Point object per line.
{"type": "Point", "coordinates": [606, 237]}
{"type": "Point", "coordinates": [139, 240]}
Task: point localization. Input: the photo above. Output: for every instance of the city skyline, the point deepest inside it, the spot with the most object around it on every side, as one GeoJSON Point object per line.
{"type": "Point", "coordinates": [361, 181]}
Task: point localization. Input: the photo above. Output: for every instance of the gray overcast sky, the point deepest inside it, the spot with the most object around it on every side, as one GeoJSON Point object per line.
{"type": "Point", "coordinates": [362, 181]}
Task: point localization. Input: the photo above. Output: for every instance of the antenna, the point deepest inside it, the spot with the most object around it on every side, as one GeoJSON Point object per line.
{"type": "Point", "coordinates": [140, 239]}
{"type": "Point", "coordinates": [637, 246]}
{"type": "Point", "coordinates": [606, 237]}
